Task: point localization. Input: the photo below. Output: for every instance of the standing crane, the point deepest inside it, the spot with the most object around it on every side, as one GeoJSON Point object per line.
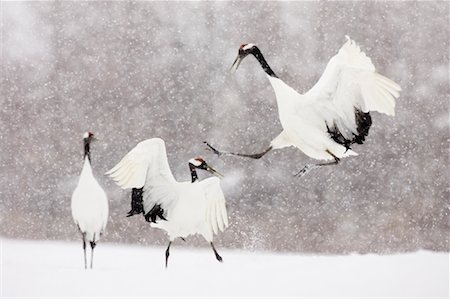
{"type": "Point", "coordinates": [89, 203]}
{"type": "Point", "coordinates": [179, 208]}
{"type": "Point", "coordinates": [334, 114]}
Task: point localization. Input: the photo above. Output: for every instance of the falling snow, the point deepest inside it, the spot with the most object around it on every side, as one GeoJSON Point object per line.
{"type": "Point", "coordinates": [130, 71]}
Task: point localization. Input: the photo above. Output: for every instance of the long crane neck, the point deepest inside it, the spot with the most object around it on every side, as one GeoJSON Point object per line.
{"type": "Point", "coordinates": [194, 176]}
{"type": "Point", "coordinates": [87, 151]}
{"type": "Point", "coordinates": [262, 61]}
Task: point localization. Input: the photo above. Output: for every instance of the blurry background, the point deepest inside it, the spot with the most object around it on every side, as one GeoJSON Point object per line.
{"type": "Point", "coordinates": [131, 71]}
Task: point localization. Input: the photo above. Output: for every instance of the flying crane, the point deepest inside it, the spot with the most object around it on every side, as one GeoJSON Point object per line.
{"type": "Point", "coordinates": [334, 114]}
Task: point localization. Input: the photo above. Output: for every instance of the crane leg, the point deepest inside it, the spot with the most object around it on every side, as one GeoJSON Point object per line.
{"type": "Point", "coordinates": [310, 167]}
{"type": "Point", "coordinates": [92, 251]}
{"type": "Point", "coordinates": [221, 153]}
{"type": "Point", "coordinates": [218, 257]}
{"type": "Point", "coordinates": [84, 249]}
{"type": "Point", "coordinates": [167, 253]}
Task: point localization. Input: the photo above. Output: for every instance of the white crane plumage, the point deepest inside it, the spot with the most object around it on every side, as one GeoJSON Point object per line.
{"type": "Point", "coordinates": [89, 203]}
{"type": "Point", "coordinates": [179, 208]}
{"type": "Point", "coordinates": [334, 114]}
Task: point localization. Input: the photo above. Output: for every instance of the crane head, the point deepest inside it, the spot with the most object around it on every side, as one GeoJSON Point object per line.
{"type": "Point", "coordinates": [244, 50]}
{"type": "Point", "coordinates": [199, 163]}
{"type": "Point", "coordinates": [88, 137]}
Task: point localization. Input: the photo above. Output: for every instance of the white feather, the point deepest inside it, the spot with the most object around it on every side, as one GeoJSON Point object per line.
{"type": "Point", "coordinates": [215, 200]}
{"type": "Point", "coordinates": [89, 205]}
{"type": "Point", "coordinates": [348, 82]}
{"type": "Point", "coordinates": [190, 208]}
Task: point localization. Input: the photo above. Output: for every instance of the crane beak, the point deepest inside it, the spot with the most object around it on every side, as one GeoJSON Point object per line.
{"type": "Point", "coordinates": [236, 63]}
{"type": "Point", "coordinates": [214, 172]}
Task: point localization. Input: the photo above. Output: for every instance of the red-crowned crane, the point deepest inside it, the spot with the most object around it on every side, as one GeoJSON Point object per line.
{"type": "Point", "coordinates": [179, 208]}
{"type": "Point", "coordinates": [334, 114]}
{"type": "Point", "coordinates": [89, 203]}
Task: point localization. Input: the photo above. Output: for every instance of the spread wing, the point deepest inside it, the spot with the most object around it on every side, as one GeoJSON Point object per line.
{"type": "Point", "coordinates": [146, 166]}
{"type": "Point", "coordinates": [350, 84]}
{"type": "Point", "coordinates": [216, 211]}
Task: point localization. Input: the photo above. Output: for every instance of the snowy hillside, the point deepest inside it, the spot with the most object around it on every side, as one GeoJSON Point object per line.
{"type": "Point", "coordinates": [54, 269]}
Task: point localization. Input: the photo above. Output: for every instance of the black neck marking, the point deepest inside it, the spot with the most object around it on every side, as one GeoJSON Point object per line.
{"type": "Point", "coordinates": [258, 55]}
{"type": "Point", "coordinates": [87, 149]}
{"type": "Point", "coordinates": [194, 176]}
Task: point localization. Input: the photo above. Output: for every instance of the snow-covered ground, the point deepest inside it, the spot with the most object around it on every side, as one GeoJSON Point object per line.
{"type": "Point", "coordinates": [55, 269]}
